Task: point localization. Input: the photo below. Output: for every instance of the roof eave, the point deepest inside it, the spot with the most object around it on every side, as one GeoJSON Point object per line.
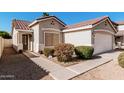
{"type": "Point", "coordinates": [107, 18]}
{"type": "Point", "coordinates": [36, 21]}
{"type": "Point", "coordinates": [23, 30]}
{"type": "Point", "coordinates": [78, 28]}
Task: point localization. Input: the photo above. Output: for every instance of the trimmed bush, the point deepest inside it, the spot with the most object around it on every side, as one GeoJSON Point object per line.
{"type": "Point", "coordinates": [84, 52]}
{"type": "Point", "coordinates": [48, 52]}
{"type": "Point", "coordinates": [64, 52]}
{"type": "Point", "coordinates": [121, 60]}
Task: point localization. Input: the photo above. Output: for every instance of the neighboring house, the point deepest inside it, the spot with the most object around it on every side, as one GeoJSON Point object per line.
{"type": "Point", "coordinates": [120, 33]}
{"type": "Point", "coordinates": [50, 31]}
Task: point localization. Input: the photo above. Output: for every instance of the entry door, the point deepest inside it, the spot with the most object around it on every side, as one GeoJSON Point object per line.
{"type": "Point", "coordinates": [25, 42]}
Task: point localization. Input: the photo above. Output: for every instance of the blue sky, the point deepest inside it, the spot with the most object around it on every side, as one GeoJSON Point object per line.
{"type": "Point", "coordinates": [67, 17]}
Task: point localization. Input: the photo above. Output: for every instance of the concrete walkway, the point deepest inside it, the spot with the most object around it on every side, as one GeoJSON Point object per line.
{"type": "Point", "coordinates": [64, 73]}
{"type": "Point", "coordinates": [56, 71]}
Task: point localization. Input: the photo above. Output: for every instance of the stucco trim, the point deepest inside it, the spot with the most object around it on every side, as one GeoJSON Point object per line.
{"type": "Point", "coordinates": [52, 29]}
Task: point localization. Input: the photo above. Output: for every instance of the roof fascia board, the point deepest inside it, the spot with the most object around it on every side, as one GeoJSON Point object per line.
{"type": "Point", "coordinates": [103, 21]}
{"type": "Point", "coordinates": [78, 28]}
{"type": "Point", "coordinates": [45, 20]}
{"type": "Point", "coordinates": [24, 30]}
{"type": "Point", "coordinates": [34, 22]}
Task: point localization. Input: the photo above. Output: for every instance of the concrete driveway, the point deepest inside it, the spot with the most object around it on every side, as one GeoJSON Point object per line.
{"type": "Point", "coordinates": [108, 71]}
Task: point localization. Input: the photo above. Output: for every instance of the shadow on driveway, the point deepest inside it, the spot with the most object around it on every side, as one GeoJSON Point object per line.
{"type": "Point", "coordinates": [15, 66]}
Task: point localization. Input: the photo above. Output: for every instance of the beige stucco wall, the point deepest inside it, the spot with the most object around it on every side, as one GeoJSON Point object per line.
{"type": "Point", "coordinates": [39, 32]}
{"type": "Point", "coordinates": [36, 35]}
{"type": "Point", "coordinates": [78, 38]}
{"type": "Point", "coordinates": [38, 42]}
{"type": "Point", "coordinates": [4, 43]}
{"type": "Point", "coordinates": [1, 46]}
{"type": "Point", "coordinates": [7, 42]}
{"type": "Point", "coordinates": [47, 24]}
{"type": "Point", "coordinates": [15, 39]}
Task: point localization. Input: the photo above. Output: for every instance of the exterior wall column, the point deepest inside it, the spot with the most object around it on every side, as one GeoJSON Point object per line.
{"type": "Point", "coordinates": [28, 42]}
{"type": "Point", "coordinates": [32, 41]}
{"type": "Point", "coordinates": [123, 39]}
{"type": "Point", "coordinates": [19, 41]}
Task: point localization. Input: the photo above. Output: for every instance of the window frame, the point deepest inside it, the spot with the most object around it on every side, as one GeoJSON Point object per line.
{"type": "Point", "coordinates": [50, 33]}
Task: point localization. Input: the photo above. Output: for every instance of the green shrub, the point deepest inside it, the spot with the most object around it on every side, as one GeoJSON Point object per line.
{"type": "Point", "coordinates": [121, 60]}
{"type": "Point", "coordinates": [5, 35]}
{"type": "Point", "coordinates": [84, 52]}
{"type": "Point", "coordinates": [48, 51]}
{"type": "Point", "coordinates": [64, 52]}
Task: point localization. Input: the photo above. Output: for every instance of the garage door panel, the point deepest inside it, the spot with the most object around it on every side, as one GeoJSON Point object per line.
{"type": "Point", "coordinates": [102, 42]}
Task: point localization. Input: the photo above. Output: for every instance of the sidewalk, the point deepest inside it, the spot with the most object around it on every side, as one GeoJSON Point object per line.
{"type": "Point", "coordinates": [56, 71]}
{"type": "Point", "coordinates": [64, 73]}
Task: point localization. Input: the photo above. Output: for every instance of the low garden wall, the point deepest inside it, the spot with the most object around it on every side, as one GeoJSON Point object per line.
{"type": "Point", "coordinates": [4, 43]}
{"type": "Point", "coordinates": [7, 42]}
{"type": "Point", "coordinates": [1, 46]}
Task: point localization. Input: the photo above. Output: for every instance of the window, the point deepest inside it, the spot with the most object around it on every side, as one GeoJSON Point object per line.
{"type": "Point", "coordinates": [51, 39]}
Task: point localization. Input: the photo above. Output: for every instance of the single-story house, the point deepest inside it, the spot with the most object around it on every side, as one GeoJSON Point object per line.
{"type": "Point", "coordinates": [120, 34]}
{"type": "Point", "coordinates": [49, 31]}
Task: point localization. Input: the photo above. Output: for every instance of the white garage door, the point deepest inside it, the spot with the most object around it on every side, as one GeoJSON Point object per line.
{"type": "Point", "coordinates": [102, 42]}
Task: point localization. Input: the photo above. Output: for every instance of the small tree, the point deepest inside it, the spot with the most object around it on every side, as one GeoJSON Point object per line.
{"type": "Point", "coordinates": [45, 14]}
{"type": "Point", "coordinates": [5, 34]}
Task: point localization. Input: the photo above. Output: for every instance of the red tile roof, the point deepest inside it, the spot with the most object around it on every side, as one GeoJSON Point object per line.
{"type": "Point", "coordinates": [21, 24]}
{"type": "Point", "coordinates": [88, 22]}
